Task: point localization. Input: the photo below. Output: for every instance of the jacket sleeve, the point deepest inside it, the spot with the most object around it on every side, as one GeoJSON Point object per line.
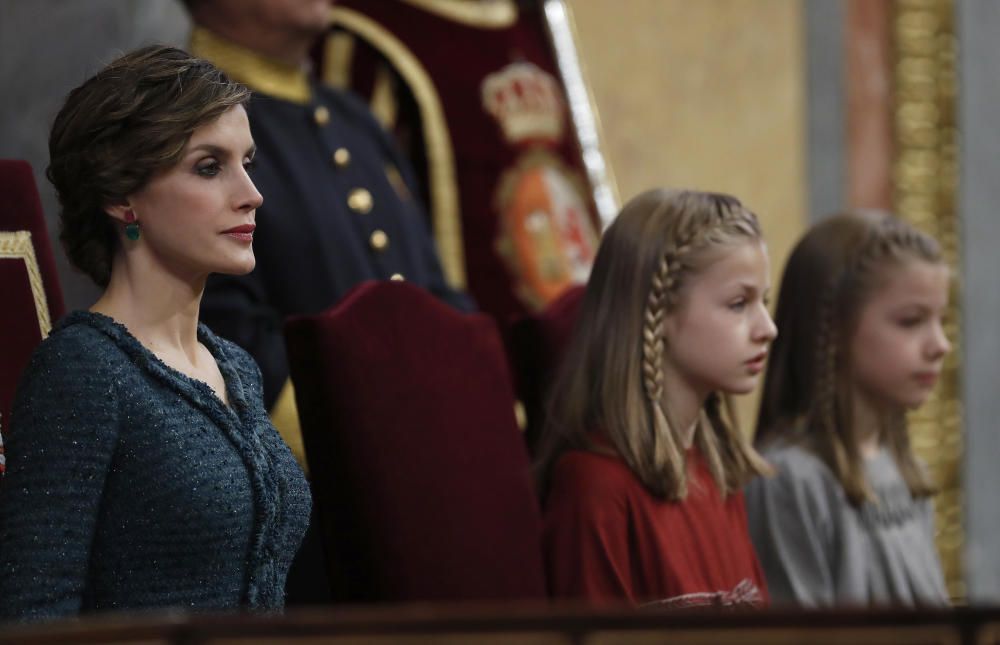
{"type": "Point", "coordinates": [64, 431]}
{"type": "Point", "coordinates": [791, 527]}
{"type": "Point", "coordinates": [586, 539]}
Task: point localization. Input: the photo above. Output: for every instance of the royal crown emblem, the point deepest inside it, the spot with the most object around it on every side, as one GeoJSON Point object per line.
{"type": "Point", "coordinates": [527, 103]}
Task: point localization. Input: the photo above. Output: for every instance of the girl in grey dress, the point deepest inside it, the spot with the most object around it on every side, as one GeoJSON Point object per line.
{"type": "Point", "coordinates": [847, 518]}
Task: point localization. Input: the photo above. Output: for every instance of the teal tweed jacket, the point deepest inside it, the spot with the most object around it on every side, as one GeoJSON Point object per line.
{"type": "Point", "coordinates": [132, 486]}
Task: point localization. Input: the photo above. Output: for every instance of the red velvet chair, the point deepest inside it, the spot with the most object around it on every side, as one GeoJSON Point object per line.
{"type": "Point", "coordinates": [31, 297]}
{"type": "Point", "coordinates": [419, 471]}
{"type": "Point", "coordinates": [537, 343]}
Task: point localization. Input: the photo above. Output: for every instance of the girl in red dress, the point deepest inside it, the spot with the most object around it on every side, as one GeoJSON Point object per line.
{"type": "Point", "coordinates": [641, 463]}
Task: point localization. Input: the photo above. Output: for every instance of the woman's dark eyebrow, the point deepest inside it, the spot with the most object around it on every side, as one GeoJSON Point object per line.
{"type": "Point", "coordinates": [210, 148]}
{"type": "Point", "coordinates": [219, 151]}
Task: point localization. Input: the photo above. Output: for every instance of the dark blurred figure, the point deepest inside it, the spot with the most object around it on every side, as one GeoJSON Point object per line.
{"type": "Point", "coordinates": [338, 198]}
{"type": "Point", "coordinates": [338, 205]}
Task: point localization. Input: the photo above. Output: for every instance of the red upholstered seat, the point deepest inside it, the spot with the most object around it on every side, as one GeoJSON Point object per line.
{"type": "Point", "coordinates": [419, 471]}
{"type": "Point", "coordinates": [537, 343]}
{"type": "Point", "coordinates": [30, 297]}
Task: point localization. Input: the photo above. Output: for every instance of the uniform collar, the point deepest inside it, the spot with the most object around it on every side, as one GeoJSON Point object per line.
{"type": "Point", "coordinates": [259, 73]}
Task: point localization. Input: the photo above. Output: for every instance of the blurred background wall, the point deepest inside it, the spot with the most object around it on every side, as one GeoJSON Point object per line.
{"type": "Point", "coordinates": [46, 49]}
{"type": "Point", "coordinates": [691, 96]}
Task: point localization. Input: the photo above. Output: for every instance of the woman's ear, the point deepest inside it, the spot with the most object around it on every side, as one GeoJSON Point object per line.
{"type": "Point", "coordinates": [122, 212]}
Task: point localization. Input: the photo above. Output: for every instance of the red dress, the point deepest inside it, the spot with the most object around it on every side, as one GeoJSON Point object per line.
{"type": "Point", "coordinates": [608, 539]}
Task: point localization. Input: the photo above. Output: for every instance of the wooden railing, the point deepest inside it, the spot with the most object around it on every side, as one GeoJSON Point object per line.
{"type": "Point", "coordinates": [522, 625]}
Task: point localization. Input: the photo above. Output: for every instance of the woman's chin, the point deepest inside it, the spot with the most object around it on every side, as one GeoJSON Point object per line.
{"type": "Point", "coordinates": [241, 266]}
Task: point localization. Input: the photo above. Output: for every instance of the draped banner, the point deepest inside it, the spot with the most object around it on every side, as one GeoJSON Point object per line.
{"type": "Point", "coordinates": [476, 93]}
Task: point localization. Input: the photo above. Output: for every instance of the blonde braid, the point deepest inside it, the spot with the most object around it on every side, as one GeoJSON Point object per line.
{"type": "Point", "coordinates": [827, 414]}
{"type": "Point", "coordinates": [824, 411]}
{"type": "Point", "coordinates": [826, 362]}
{"type": "Point", "coordinates": [653, 340]}
{"type": "Point", "coordinates": [666, 456]}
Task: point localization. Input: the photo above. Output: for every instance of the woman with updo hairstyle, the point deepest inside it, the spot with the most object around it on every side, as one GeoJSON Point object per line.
{"type": "Point", "coordinates": [142, 469]}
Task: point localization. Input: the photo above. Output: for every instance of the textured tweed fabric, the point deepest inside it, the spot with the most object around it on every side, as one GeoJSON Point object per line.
{"type": "Point", "coordinates": [130, 485]}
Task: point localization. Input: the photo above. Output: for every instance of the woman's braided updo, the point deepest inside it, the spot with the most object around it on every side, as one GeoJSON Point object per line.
{"type": "Point", "coordinates": [117, 130]}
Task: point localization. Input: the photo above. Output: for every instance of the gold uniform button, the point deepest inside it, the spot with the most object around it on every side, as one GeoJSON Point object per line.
{"type": "Point", "coordinates": [379, 240]}
{"type": "Point", "coordinates": [397, 277]}
{"type": "Point", "coordinates": [321, 115]}
{"type": "Point", "coordinates": [360, 200]}
{"type": "Point", "coordinates": [341, 157]}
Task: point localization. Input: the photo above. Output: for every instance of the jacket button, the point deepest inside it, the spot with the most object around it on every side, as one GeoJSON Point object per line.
{"type": "Point", "coordinates": [379, 240]}
{"type": "Point", "coordinates": [341, 157]}
{"type": "Point", "coordinates": [360, 200]}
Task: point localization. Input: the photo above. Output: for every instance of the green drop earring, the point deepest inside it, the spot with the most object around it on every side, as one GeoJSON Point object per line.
{"type": "Point", "coordinates": [131, 225]}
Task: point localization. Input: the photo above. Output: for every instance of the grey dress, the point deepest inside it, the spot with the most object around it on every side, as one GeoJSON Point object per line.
{"type": "Point", "coordinates": [817, 550]}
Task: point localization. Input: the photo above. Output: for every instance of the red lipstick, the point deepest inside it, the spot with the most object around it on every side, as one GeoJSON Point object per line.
{"type": "Point", "coordinates": [243, 232]}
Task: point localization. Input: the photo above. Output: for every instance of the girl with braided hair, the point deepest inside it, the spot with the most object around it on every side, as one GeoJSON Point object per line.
{"type": "Point", "coordinates": [847, 520]}
{"type": "Point", "coordinates": [641, 463]}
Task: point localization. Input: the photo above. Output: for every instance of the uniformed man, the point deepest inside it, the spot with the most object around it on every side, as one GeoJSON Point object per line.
{"type": "Point", "coordinates": [338, 197]}
{"type": "Point", "coordinates": [338, 206]}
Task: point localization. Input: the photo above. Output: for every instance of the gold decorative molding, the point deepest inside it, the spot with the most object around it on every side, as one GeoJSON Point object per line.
{"type": "Point", "coordinates": [17, 245]}
{"type": "Point", "coordinates": [447, 222]}
{"type": "Point", "coordinates": [924, 186]}
{"type": "Point", "coordinates": [485, 14]}
{"type": "Point", "coordinates": [583, 109]}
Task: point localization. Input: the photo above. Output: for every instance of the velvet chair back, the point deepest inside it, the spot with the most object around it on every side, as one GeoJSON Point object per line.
{"type": "Point", "coordinates": [419, 471]}
{"type": "Point", "coordinates": [30, 297]}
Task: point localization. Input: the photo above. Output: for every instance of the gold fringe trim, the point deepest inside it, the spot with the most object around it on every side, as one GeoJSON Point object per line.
{"type": "Point", "coordinates": [485, 14]}
{"type": "Point", "coordinates": [17, 245]}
